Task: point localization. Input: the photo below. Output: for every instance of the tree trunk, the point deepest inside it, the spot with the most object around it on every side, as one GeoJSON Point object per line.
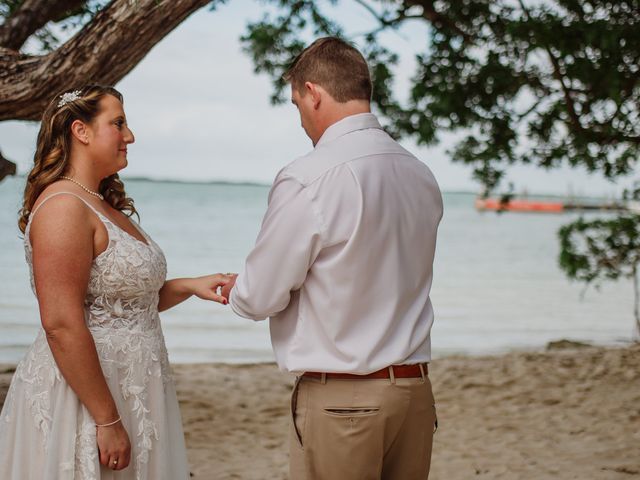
{"type": "Point", "coordinates": [636, 300]}
{"type": "Point", "coordinates": [104, 51]}
{"type": "Point", "coordinates": [6, 167]}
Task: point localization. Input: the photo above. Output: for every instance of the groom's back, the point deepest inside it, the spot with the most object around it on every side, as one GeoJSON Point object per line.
{"type": "Point", "coordinates": [365, 303]}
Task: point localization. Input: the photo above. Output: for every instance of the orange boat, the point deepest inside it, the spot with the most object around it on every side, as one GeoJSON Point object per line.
{"type": "Point", "coordinates": [519, 205]}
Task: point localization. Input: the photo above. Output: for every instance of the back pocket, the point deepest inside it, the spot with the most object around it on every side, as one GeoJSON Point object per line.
{"type": "Point", "coordinates": [351, 411]}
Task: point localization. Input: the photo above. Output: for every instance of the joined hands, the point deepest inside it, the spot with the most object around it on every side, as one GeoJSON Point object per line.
{"type": "Point", "coordinates": [226, 289]}
{"type": "Point", "coordinates": [214, 287]}
{"type": "Point", "coordinates": [209, 287]}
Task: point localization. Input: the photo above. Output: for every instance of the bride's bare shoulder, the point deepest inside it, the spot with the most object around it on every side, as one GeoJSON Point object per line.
{"type": "Point", "coordinates": [54, 189]}
{"type": "Point", "coordinates": [58, 212]}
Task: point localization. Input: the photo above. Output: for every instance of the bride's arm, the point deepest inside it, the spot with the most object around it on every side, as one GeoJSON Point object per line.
{"type": "Point", "coordinates": [177, 290]}
{"type": "Point", "coordinates": [62, 241]}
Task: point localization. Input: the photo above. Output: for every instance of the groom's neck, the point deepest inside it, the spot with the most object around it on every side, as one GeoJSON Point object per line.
{"type": "Point", "coordinates": [338, 111]}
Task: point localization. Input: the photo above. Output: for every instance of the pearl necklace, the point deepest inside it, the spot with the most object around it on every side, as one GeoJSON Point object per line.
{"type": "Point", "coordinates": [90, 192]}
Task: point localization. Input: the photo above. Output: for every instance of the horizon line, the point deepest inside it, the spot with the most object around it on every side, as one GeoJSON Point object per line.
{"type": "Point", "coordinates": [254, 183]}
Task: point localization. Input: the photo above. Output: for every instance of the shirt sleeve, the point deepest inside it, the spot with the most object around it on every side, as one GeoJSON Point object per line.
{"type": "Point", "coordinates": [287, 245]}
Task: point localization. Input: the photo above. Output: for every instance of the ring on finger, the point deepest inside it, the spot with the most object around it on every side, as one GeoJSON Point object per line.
{"type": "Point", "coordinates": [115, 463]}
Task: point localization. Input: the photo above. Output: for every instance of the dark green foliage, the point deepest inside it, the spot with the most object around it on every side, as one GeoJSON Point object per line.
{"type": "Point", "coordinates": [7, 7]}
{"type": "Point", "coordinates": [603, 249]}
{"type": "Point", "coordinates": [273, 41]}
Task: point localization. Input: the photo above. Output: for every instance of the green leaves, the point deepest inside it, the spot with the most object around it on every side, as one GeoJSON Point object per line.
{"type": "Point", "coordinates": [603, 249]}
{"type": "Point", "coordinates": [274, 41]}
{"type": "Point", "coordinates": [7, 7]}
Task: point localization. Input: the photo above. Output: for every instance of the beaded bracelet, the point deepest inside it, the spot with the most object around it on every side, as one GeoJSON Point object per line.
{"type": "Point", "coordinates": [109, 424]}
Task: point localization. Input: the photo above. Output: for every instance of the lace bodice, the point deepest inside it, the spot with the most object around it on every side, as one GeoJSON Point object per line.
{"type": "Point", "coordinates": [124, 281]}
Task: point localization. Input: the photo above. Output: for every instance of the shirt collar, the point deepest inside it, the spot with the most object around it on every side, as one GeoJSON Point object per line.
{"type": "Point", "coordinates": [360, 121]}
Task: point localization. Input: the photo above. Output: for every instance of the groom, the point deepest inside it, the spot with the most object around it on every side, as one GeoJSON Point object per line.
{"type": "Point", "coordinates": [343, 266]}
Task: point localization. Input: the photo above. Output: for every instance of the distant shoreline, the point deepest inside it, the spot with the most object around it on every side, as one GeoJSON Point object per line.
{"type": "Point", "coordinates": [248, 183]}
{"type": "Point", "coordinates": [232, 183]}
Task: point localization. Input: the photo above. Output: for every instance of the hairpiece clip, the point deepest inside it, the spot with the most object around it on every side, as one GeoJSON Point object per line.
{"type": "Point", "coordinates": [68, 97]}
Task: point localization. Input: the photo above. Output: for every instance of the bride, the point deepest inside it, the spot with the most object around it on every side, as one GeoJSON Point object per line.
{"type": "Point", "coordinates": [93, 397]}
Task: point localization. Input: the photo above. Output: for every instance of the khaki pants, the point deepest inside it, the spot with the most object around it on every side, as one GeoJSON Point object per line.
{"type": "Point", "coordinates": [359, 429]}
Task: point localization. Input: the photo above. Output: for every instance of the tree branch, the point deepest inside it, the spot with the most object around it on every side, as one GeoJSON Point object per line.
{"type": "Point", "coordinates": [386, 21]}
{"type": "Point", "coordinates": [437, 19]}
{"type": "Point", "coordinates": [122, 31]}
{"type": "Point", "coordinates": [530, 110]}
{"type": "Point", "coordinates": [31, 16]}
{"type": "Point", "coordinates": [6, 167]}
{"type": "Point", "coordinates": [558, 74]}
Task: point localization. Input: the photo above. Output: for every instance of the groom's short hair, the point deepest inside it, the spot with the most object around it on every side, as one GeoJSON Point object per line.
{"type": "Point", "coordinates": [336, 66]}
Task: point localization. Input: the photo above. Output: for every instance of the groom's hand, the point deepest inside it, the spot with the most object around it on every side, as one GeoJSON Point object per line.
{"type": "Point", "coordinates": [226, 289]}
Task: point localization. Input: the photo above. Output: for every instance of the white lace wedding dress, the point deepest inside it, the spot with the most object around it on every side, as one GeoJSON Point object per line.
{"type": "Point", "coordinates": [46, 433]}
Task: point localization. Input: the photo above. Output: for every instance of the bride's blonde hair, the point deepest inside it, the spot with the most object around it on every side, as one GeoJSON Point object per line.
{"type": "Point", "coordinates": [51, 159]}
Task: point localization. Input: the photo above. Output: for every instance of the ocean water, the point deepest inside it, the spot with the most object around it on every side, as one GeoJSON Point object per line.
{"type": "Point", "coordinates": [497, 285]}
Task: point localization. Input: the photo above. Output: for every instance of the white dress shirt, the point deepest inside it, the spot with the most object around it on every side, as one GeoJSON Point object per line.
{"type": "Point", "coordinates": [343, 263]}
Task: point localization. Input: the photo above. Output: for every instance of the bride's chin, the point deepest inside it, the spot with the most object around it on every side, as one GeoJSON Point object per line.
{"type": "Point", "coordinates": [118, 169]}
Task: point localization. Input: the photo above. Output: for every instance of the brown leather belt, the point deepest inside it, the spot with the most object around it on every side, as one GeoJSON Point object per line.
{"type": "Point", "coordinates": [399, 371]}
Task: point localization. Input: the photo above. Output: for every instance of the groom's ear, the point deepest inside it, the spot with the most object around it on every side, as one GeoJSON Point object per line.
{"type": "Point", "coordinates": [316, 93]}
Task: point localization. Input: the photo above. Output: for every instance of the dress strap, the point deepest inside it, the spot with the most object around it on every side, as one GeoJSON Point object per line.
{"type": "Point", "coordinates": [31, 215]}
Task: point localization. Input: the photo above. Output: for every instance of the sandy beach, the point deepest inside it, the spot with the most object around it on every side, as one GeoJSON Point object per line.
{"type": "Point", "coordinates": [566, 413]}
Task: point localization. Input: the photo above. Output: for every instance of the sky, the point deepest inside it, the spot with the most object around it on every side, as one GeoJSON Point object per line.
{"type": "Point", "coordinates": [200, 113]}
